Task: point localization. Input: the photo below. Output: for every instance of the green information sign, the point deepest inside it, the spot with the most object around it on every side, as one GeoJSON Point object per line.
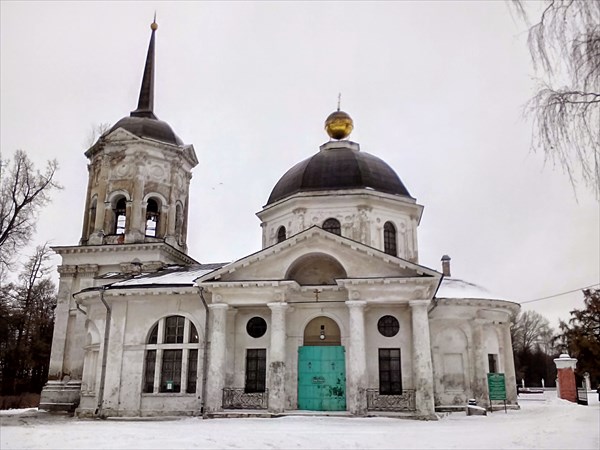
{"type": "Point", "coordinates": [496, 386]}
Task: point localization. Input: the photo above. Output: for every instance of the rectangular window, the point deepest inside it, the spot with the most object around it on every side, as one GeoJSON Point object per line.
{"type": "Point", "coordinates": [174, 330]}
{"type": "Point", "coordinates": [192, 371]}
{"type": "Point", "coordinates": [149, 374]}
{"type": "Point", "coordinates": [256, 369]}
{"type": "Point", "coordinates": [390, 375]}
{"type": "Point", "coordinates": [170, 377]}
{"type": "Point", "coordinates": [493, 362]}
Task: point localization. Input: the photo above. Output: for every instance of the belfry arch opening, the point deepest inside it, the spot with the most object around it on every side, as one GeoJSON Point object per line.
{"type": "Point", "coordinates": [120, 215]}
{"type": "Point", "coordinates": [316, 269]}
{"type": "Point", "coordinates": [322, 331]}
{"type": "Point", "coordinates": [152, 217]}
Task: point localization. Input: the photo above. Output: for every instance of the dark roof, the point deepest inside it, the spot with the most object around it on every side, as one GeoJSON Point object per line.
{"type": "Point", "coordinates": [146, 127]}
{"type": "Point", "coordinates": [337, 169]}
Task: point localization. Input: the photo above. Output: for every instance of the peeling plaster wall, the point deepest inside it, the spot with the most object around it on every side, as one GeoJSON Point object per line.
{"type": "Point", "coordinates": [133, 318]}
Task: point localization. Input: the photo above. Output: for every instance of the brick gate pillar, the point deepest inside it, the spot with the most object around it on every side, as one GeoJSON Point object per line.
{"type": "Point", "coordinates": [565, 368]}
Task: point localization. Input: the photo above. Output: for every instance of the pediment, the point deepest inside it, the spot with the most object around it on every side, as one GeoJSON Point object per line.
{"type": "Point", "coordinates": [357, 261]}
{"type": "Point", "coordinates": [121, 134]}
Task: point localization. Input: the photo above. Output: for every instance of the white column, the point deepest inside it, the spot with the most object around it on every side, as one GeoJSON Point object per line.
{"type": "Point", "coordinates": [509, 365]}
{"type": "Point", "coordinates": [422, 365]}
{"type": "Point", "coordinates": [277, 357]}
{"type": "Point", "coordinates": [215, 376]}
{"type": "Point", "coordinates": [479, 385]}
{"type": "Point", "coordinates": [61, 322]}
{"type": "Point", "coordinates": [356, 362]}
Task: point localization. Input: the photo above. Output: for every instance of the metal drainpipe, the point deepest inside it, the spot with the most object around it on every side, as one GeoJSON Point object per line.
{"type": "Point", "coordinates": [205, 354]}
{"type": "Point", "coordinates": [98, 411]}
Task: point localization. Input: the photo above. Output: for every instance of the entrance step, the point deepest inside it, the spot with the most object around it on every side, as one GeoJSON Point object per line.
{"type": "Point", "coordinates": [240, 414]}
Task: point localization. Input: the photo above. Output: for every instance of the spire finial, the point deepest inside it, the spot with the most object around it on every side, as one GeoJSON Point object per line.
{"type": "Point", "coordinates": [145, 106]}
{"type": "Point", "coordinates": [339, 100]}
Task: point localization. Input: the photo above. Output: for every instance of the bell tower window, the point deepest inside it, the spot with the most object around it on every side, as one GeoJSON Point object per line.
{"type": "Point", "coordinates": [389, 239]}
{"type": "Point", "coordinates": [120, 216]}
{"type": "Point", "coordinates": [92, 217]}
{"type": "Point", "coordinates": [281, 234]}
{"type": "Point", "coordinates": [333, 226]}
{"type": "Point", "coordinates": [152, 216]}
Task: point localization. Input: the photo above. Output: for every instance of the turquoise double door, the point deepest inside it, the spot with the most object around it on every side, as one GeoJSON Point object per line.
{"type": "Point", "coordinates": [322, 378]}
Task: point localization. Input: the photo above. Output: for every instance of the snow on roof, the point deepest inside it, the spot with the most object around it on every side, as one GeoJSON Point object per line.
{"type": "Point", "coordinates": [174, 275]}
{"type": "Point", "coordinates": [457, 288]}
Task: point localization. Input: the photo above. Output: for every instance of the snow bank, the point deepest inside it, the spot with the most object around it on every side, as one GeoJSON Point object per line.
{"type": "Point", "coordinates": [543, 422]}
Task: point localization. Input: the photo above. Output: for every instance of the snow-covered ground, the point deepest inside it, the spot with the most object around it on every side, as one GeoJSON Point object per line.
{"type": "Point", "coordinates": [542, 422]}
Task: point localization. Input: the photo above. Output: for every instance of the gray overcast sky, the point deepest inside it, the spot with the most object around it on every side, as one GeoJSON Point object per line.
{"type": "Point", "coordinates": [436, 89]}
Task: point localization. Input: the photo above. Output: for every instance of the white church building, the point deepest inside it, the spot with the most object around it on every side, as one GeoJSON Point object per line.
{"type": "Point", "coordinates": [334, 313]}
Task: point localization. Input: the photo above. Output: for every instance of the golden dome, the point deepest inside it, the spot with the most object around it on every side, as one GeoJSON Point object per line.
{"type": "Point", "coordinates": [339, 125]}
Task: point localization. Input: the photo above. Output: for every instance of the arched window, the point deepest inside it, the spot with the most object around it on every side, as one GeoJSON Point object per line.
{"type": "Point", "coordinates": [389, 239]}
{"type": "Point", "coordinates": [281, 234]}
{"type": "Point", "coordinates": [120, 212]}
{"type": "Point", "coordinates": [172, 357]}
{"type": "Point", "coordinates": [333, 226]}
{"type": "Point", "coordinates": [152, 216]}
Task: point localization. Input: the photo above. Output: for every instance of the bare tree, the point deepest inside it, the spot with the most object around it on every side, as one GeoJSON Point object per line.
{"type": "Point", "coordinates": [565, 46]}
{"type": "Point", "coordinates": [23, 192]}
{"type": "Point", "coordinates": [95, 132]}
{"type": "Point", "coordinates": [26, 326]}
{"type": "Point", "coordinates": [530, 330]}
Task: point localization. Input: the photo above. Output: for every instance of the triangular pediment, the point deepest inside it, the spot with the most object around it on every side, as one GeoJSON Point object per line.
{"type": "Point", "coordinates": [121, 134]}
{"type": "Point", "coordinates": [358, 261]}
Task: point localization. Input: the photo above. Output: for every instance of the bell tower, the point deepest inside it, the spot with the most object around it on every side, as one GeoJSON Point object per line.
{"type": "Point", "coordinates": [135, 220]}
{"type": "Point", "coordinates": [139, 175]}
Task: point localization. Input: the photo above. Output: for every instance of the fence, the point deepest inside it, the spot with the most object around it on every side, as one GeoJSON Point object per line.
{"type": "Point", "coordinates": [394, 402]}
{"type": "Point", "coordinates": [237, 398]}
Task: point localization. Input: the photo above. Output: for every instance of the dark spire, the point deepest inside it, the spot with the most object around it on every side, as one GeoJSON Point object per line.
{"type": "Point", "coordinates": [145, 106]}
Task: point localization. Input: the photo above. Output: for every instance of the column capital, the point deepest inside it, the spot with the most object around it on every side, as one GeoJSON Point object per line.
{"type": "Point", "coordinates": [278, 305]}
{"type": "Point", "coordinates": [418, 303]}
{"type": "Point", "coordinates": [218, 306]}
{"type": "Point", "coordinates": [356, 303]}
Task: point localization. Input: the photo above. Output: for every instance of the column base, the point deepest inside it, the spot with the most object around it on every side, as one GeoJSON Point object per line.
{"type": "Point", "coordinates": [58, 396]}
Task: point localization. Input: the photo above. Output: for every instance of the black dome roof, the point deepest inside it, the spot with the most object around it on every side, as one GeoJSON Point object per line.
{"type": "Point", "coordinates": [146, 127]}
{"type": "Point", "coordinates": [339, 168]}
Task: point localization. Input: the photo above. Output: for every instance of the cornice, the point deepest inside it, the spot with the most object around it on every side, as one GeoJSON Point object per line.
{"type": "Point", "coordinates": [479, 303]}
{"type": "Point", "coordinates": [364, 193]}
{"type": "Point", "coordinates": [122, 248]}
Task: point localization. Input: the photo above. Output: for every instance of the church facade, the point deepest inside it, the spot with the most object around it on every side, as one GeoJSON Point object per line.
{"type": "Point", "coordinates": [334, 313]}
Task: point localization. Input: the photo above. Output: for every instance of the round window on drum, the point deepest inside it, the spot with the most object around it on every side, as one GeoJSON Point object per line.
{"type": "Point", "coordinates": [256, 327]}
{"type": "Point", "coordinates": [388, 326]}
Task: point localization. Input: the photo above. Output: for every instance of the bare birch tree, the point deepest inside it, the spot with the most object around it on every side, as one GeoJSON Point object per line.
{"type": "Point", "coordinates": [23, 192]}
{"type": "Point", "coordinates": [565, 47]}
